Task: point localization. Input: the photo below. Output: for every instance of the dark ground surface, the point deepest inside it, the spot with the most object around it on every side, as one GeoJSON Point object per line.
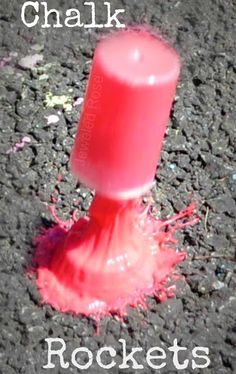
{"type": "Point", "coordinates": [197, 161]}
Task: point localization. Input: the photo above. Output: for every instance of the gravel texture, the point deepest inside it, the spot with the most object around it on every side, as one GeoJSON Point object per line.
{"type": "Point", "coordinates": [197, 163]}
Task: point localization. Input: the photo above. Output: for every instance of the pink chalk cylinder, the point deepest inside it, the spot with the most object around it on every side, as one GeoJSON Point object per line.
{"type": "Point", "coordinates": [127, 104]}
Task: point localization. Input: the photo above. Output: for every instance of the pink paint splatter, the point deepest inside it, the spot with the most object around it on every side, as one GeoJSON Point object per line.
{"type": "Point", "coordinates": [54, 199]}
{"type": "Point", "coordinates": [78, 101]}
{"type": "Point", "coordinates": [5, 61]}
{"type": "Point", "coordinates": [59, 178]}
{"type": "Point", "coordinates": [112, 258]}
{"type": "Point", "coordinates": [18, 146]}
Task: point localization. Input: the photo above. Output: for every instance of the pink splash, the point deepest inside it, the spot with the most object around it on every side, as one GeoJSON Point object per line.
{"type": "Point", "coordinates": [78, 101]}
{"type": "Point", "coordinates": [5, 61]}
{"type": "Point", "coordinates": [18, 146]}
{"type": "Point", "coordinates": [110, 259]}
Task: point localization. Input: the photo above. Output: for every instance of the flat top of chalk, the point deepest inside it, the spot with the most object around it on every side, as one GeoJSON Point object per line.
{"type": "Point", "coordinates": [138, 57]}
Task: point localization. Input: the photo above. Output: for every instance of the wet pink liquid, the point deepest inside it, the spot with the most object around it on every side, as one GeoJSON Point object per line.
{"type": "Point", "coordinates": [126, 109]}
{"type": "Point", "coordinates": [110, 259]}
